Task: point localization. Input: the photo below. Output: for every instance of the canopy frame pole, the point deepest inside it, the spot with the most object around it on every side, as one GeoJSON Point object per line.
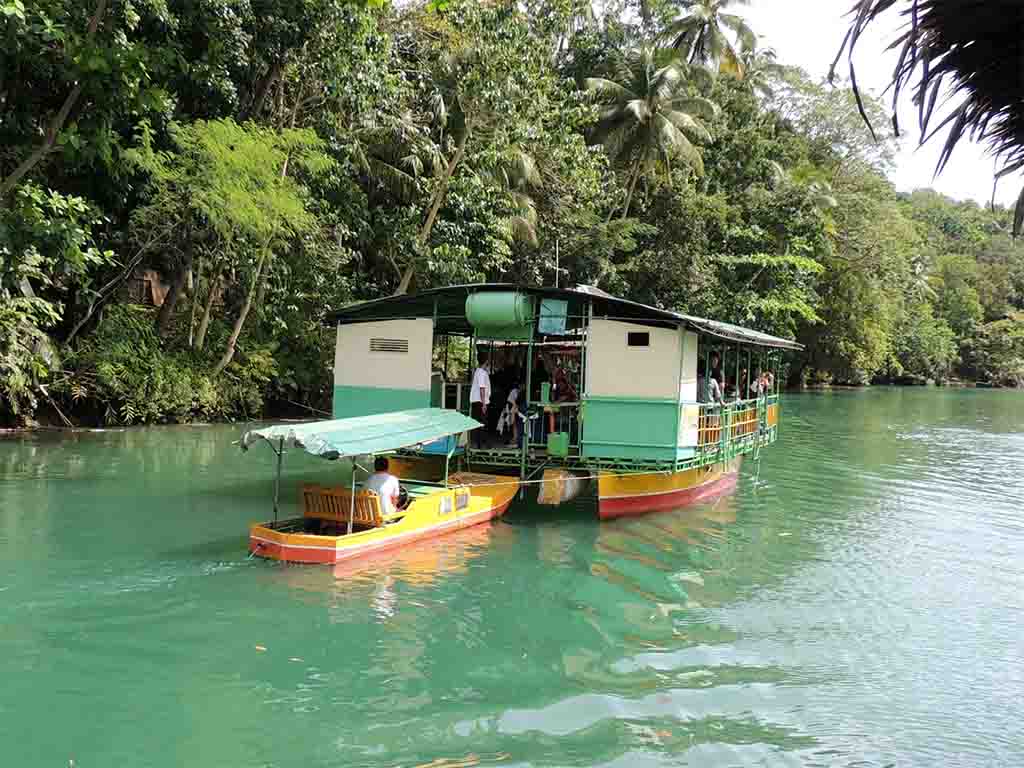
{"type": "Point", "coordinates": [704, 420]}
{"type": "Point", "coordinates": [679, 393]}
{"type": "Point", "coordinates": [447, 344]}
{"type": "Point", "coordinates": [739, 393]}
{"type": "Point", "coordinates": [352, 499]}
{"type": "Point", "coordinates": [527, 426]}
{"type": "Point", "coordinates": [277, 475]}
{"type": "Point", "coordinates": [750, 369]}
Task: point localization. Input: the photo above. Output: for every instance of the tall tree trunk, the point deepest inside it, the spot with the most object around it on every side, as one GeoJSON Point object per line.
{"type": "Point", "coordinates": [229, 351]}
{"type": "Point", "coordinates": [204, 322]}
{"type": "Point", "coordinates": [435, 207]}
{"type": "Point", "coordinates": [262, 89]}
{"type": "Point", "coordinates": [629, 192]}
{"type": "Point", "coordinates": [195, 300]}
{"type": "Point", "coordinates": [57, 123]}
{"type": "Point", "coordinates": [163, 317]}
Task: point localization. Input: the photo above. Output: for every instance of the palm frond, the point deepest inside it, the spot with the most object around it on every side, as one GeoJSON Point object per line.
{"type": "Point", "coordinates": [608, 89]}
{"type": "Point", "coordinates": [674, 143]}
{"type": "Point", "coordinates": [638, 109]}
{"type": "Point", "coordinates": [698, 106]}
{"type": "Point", "coordinates": [523, 230]}
{"type": "Point", "coordinates": [393, 179]}
{"type": "Point", "coordinates": [439, 109]}
{"type": "Point", "coordinates": [971, 55]}
{"type": "Point", "coordinates": [745, 36]}
{"type": "Point", "coordinates": [688, 125]}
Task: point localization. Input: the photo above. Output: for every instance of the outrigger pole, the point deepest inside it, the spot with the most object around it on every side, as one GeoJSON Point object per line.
{"type": "Point", "coordinates": [277, 477]}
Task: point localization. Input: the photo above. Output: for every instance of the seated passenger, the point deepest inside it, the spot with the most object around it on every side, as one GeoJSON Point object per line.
{"type": "Point", "coordinates": [385, 485]}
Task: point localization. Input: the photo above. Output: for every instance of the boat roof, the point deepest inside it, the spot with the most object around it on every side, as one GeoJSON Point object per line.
{"type": "Point", "coordinates": [365, 435]}
{"type": "Point", "coordinates": [447, 307]}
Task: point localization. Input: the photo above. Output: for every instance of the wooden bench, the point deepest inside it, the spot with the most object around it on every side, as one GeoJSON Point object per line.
{"type": "Point", "coordinates": [335, 504]}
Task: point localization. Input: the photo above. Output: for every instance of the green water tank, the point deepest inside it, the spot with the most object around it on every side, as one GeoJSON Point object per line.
{"type": "Point", "coordinates": [495, 310]}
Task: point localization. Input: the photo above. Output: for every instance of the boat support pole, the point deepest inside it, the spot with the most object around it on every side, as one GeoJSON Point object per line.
{"type": "Point", "coordinates": [527, 426]}
{"type": "Point", "coordinates": [352, 506]}
{"type": "Point", "coordinates": [277, 477]}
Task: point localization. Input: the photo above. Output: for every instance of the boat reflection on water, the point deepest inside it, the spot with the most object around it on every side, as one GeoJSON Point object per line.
{"type": "Point", "coordinates": [423, 562]}
{"type": "Point", "coordinates": [651, 583]}
{"type": "Point", "coordinates": [375, 580]}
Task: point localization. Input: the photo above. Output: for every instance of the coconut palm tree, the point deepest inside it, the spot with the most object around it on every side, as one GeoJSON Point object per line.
{"type": "Point", "coordinates": [394, 151]}
{"type": "Point", "coordinates": [517, 176]}
{"type": "Point", "coordinates": [652, 116]}
{"type": "Point", "coordinates": [760, 70]}
{"type": "Point", "coordinates": [700, 34]}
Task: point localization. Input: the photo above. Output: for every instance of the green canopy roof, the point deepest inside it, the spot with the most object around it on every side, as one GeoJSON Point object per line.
{"type": "Point", "coordinates": [365, 435]}
{"type": "Point", "coordinates": [447, 307]}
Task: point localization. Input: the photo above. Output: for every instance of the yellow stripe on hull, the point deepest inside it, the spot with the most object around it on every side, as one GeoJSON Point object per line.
{"type": "Point", "coordinates": [637, 494]}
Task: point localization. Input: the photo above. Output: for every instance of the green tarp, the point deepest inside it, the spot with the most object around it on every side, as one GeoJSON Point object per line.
{"type": "Point", "coordinates": [363, 435]}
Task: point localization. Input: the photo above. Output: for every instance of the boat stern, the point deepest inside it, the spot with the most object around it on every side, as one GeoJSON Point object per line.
{"type": "Point", "coordinates": [268, 541]}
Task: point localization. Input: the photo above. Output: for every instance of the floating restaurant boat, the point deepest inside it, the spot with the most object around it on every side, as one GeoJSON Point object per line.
{"type": "Point", "coordinates": [343, 522]}
{"type": "Point", "coordinates": [628, 414]}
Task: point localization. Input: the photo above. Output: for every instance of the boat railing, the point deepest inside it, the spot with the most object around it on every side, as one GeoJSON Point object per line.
{"type": "Point", "coordinates": [560, 419]}
{"type": "Point", "coordinates": [727, 429]}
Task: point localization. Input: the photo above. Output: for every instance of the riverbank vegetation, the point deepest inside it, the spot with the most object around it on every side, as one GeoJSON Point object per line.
{"type": "Point", "coordinates": [187, 189]}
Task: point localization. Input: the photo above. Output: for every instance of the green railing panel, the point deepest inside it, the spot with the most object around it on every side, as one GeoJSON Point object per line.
{"type": "Point", "coordinates": [623, 428]}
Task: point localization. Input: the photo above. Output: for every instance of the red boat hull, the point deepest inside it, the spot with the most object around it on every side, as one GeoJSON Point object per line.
{"type": "Point", "coordinates": [619, 502]}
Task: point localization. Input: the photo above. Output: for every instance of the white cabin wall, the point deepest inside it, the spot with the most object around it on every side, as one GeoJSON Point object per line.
{"type": "Point", "coordinates": [688, 382]}
{"type": "Point", "coordinates": [614, 369]}
{"type": "Point", "coordinates": [689, 414]}
{"type": "Point", "coordinates": [356, 366]}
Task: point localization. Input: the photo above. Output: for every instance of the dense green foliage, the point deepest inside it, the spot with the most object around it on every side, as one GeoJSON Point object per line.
{"type": "Point", "coordinates": [274, 160]}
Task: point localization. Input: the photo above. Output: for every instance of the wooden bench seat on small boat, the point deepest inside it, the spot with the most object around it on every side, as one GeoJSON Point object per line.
{"type": "Point", "coordinates": [335, 504]}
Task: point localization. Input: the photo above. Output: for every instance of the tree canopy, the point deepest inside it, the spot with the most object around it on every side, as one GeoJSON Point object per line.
{"type": "Point", "coordinates": [257, 165]}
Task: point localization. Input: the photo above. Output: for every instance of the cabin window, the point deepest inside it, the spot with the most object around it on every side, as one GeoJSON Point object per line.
{"type": "Point", "coordinates": [446, 505]}
{"type": "Point", "coordinates": [462, 500]}
{"type": "Point", "coordinates": [638, 339]}
{"type": "Point", "coordinates": [389, 345]}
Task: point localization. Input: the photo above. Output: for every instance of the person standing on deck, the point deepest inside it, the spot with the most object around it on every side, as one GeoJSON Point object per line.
{"type": "Point", "coordinates": [479, 397]}
{"type": "Point", "coordinates": [708, 390]}
{"type": "Point", "coordinates": [716, 370]}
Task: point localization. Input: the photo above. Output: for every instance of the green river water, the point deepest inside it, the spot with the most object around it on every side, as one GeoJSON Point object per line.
{"type": "Point", "coordinates": [859, 600]}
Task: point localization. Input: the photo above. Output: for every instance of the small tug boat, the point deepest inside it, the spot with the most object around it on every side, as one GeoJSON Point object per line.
{"type": "Point", "coordinates": [342, 522]}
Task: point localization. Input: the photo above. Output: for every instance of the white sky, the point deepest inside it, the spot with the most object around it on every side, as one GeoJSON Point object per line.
{"type": "Point", "coordinates": [808, 33]}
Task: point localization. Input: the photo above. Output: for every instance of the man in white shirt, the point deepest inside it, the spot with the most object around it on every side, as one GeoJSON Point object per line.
{"type": "Point", "coordinates": [385, 485]}
{"type": "Point", "coordinates": [479, 397]}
